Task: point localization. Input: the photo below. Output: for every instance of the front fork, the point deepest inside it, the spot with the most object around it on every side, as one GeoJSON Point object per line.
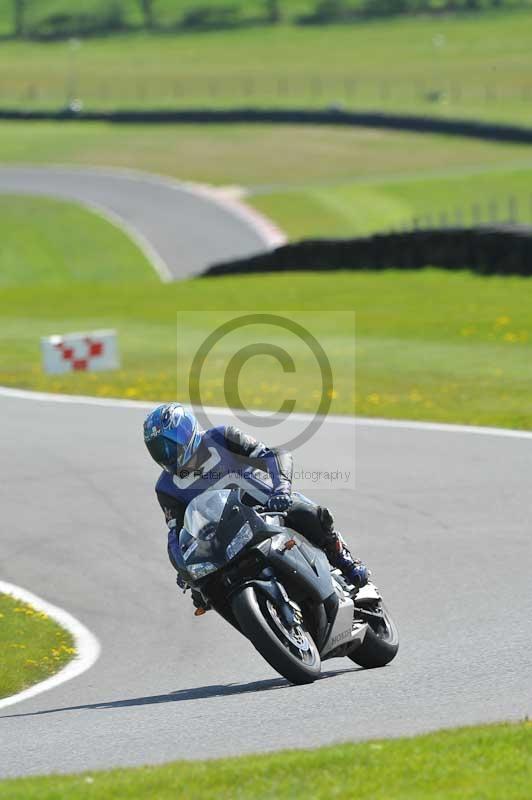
{"type": "Point", "coordinates": [268, 584]}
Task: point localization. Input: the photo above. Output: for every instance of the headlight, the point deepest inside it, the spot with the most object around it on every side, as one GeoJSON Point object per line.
{"type": "Point", "coordinates": [197, 571]}
{"type": "Point", "coordinates": [244, 535]}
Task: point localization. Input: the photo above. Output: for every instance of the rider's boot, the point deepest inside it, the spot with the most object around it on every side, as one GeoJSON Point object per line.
{"type": "Point", "coordinates": [353, 570]}
{"type": "Point", "coordinates": [338, 553]}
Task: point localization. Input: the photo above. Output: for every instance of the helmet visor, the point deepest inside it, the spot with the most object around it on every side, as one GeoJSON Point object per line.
{"type": "Point", "coordinates": [166, 453]}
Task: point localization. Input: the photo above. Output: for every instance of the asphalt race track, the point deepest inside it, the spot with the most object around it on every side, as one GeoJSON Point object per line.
{"type": "Point", "coordinates": [183, 230]}
{"type": "Point", "coordinates": [443, 518]}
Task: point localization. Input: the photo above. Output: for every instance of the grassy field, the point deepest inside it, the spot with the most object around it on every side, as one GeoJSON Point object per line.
{"type": "Point", "coordinates": [476, 66]}
{"type": "Point", "coordinates": [48, 241]}
{"type": "Point", "coordinates": [33, 646]}
{"type": "Point", "coordinates": [311, 181]}
{"type": "Point", "coordinates": [462, 197]}
{"type": "Point", "coordinates": [482, 763]}
{"type": "Point", "coordinates": [263, 158]}
{"type": "Point", "coordinates": [463, 358]}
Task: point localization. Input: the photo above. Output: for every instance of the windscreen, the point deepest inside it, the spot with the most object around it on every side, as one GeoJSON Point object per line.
{"type": "Point", "coordinates": [204, 512]}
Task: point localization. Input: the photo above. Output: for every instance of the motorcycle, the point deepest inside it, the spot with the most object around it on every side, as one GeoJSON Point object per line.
{"type": "Point", "coordinates": [279, 590]}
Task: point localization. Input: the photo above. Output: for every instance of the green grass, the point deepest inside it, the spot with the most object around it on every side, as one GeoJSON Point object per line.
{"type": "Point", "coordinates": [464, 359]}
{"type": "Point", "coordinates": [467, 196]}
{"type": "Point", "coordinates": [430, 345]}
{"type": "Point", "coordinates": [33, 646]}
{"type": "Point", "coordinates": [481, 763]}
{"type": "Point", "coordinates": [261, 157]}
{"type": "Point", "coordinates": [475, 66]}
{"type": "Point", "coordinates": [49, 241]}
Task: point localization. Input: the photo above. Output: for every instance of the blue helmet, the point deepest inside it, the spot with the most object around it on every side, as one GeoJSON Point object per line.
{"type": "Point", "coordinates": [172, 436]}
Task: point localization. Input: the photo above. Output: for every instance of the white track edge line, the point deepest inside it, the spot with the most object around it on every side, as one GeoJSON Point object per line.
{"type": "Point", "coordinates": [145, 246]}
{"type": "Point", "coordinates": [375, 422]}
{"type": "Point", "coordinates": [87, 645]}
{"type": "Point", "coordinates": [266, 228]}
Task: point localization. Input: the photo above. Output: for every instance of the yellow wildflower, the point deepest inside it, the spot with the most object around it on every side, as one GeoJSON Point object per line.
{"type": "Point", "coordinates": [501, 322]}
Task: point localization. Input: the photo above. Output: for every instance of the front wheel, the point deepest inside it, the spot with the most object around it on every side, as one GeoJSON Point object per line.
{"type": "Point", "coordinates": [380, 644]}
{"type": "Point", "coordinates": [290, 651]}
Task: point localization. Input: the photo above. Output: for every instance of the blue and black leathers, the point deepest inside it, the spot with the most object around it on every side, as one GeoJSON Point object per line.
{"type": "Point", "coordinates": [228, 458]}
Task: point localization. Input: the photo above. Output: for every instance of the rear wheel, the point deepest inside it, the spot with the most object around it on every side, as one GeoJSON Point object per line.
{"type": "Point", "coordinates": [381, 641]}
{"type": "Point", "coordinates": [291, 651]}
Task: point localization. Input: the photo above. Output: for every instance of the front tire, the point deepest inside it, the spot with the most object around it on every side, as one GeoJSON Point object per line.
{"type": "Point", "coordinates": [291, 652]}
{"type": "Point", "coordinates": [380, 644]}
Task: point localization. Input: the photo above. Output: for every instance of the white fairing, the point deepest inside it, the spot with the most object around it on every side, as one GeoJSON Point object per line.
{"type": "Point", "coordinates": [344, 629]}
{"type": "Point", "coordinates": [343, 624]}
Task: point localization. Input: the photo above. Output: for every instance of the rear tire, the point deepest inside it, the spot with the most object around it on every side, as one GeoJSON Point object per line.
{"type": "Point", "coordinates": [256, 617]}
{"type": "Point", "coordinates": [380, 644]}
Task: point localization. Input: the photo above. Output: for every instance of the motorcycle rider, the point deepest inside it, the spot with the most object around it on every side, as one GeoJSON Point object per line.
{"type": "Point", "coordinates": [194, 461]}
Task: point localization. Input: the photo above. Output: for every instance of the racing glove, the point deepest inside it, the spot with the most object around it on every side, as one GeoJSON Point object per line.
{"type": "Point", "coordinates": [279, 501]}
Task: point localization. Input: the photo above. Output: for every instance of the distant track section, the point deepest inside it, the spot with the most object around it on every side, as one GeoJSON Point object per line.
{"type": "Point", "coordinates": [181, 228]}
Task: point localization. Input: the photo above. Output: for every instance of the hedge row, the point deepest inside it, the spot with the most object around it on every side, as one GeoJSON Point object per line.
{"type": "Point", "coordinates": [332, 116]}
{"type": "Point", "coordinates": [56, 19]}
{"type": "Point", "coordinates": [504, 250]}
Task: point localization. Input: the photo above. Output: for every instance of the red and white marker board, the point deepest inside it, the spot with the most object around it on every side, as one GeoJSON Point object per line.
{"type": "Point", "coordinates": [80, 352]}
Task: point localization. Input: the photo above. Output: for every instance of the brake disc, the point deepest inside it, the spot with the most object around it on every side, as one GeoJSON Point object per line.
{"type": "Point", "coordinates": [294, 635]}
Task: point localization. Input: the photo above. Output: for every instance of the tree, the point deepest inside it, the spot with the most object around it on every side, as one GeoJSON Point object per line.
{"type": "Point", "coordinates": [273, 11]}
{"type": "Point", "coordinates": [19, 7]}
{"type": "Point", "coordinates": [146, 6]}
